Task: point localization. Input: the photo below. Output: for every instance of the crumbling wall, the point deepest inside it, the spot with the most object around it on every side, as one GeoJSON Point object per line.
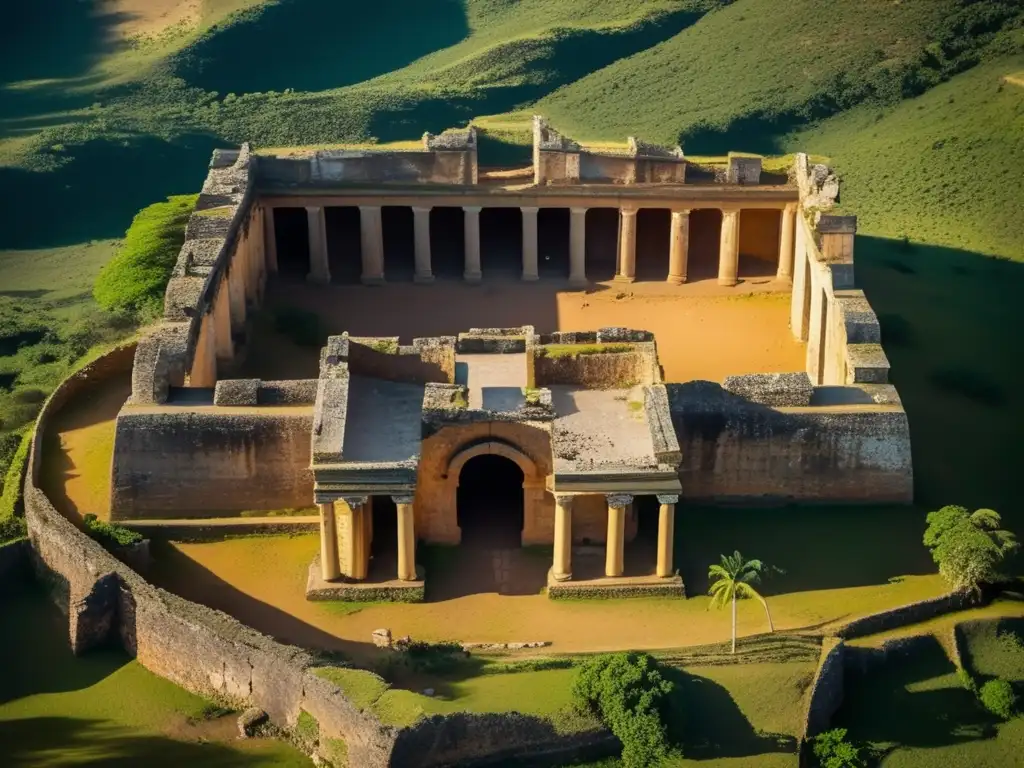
{"type": "Point", "coordinates": [617, 370]}
{"type": "Point", "coordinates": [734, 449]}
{"type": "Point", "coordinates": [420, 363]}
{"type": "Point", "coordinates": [174, 461]}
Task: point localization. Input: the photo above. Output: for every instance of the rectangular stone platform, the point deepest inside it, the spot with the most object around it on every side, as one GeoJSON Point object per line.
{"type": "Point", "coordinates": [618, 587]}
{"type": "Point", "coordinates": [387, 590]}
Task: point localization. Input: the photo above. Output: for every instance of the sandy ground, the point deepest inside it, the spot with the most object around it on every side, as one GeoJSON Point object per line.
{"type": "Point", "coordinates": [702, 331]}
{"type": "Point", "coordinates": [148, 18]}
{"type": "Point", "coordinates": [261, 581]}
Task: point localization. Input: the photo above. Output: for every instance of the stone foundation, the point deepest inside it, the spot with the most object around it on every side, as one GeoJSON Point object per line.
{"type": "Point", "coordinates": [392, 590]}
{"type": "Point", "coordinates": [618, 587]}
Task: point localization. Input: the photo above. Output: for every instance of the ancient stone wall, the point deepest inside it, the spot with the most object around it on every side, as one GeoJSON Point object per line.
{"type": "Point", "coordinates": [384, 358]}
{"type": "Point", "coordinates": [734, 449]}
{"type": "Point", "coordinates": [620, 370]}
{"type": "Point", "coordinates": [826, 692]}
{"type": "Point", "coordinates": [913, 613]}
{"type": "Point", "coordinates": [175, 461]}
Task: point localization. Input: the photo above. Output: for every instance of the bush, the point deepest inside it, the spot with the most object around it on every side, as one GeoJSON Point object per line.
{"type": "Point", "coordinates": [997, 697]}
{"type": "Point", "coordinates": [109, 534]}
{"type": "Point", "coordinates": [135, 279]}
{"type": "Point", "coordinates": [628, 693]}
{"type": "Point", "coordinates": [11, 525]}
{"type": "Point", "coordinates": [967, 681]}
{"type": "Point", "coordinates": [968, 547]}
{"type": "Point", "coordinates": [832, 750]}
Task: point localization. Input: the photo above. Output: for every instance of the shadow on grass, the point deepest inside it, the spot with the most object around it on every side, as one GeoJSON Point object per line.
{"type": "Point", "coordinates": [319, 44]}
{"type": "Point", "coordinates": [913, 700]}
{"type": "Point", "coordinates": [95, 195]}
{"type": "Point", "coordinates": [178, 573]}
{"type": "Point", "coordinates": [705, 721]}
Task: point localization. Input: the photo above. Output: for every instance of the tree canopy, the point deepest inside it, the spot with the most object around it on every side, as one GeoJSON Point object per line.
{"type": "Point", "coordinates": [969, 547]}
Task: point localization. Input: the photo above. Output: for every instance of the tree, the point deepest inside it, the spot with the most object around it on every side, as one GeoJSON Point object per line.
{"type": "Point", "coordinates": [732, 580]}
{"type": "Point", "coordinates": [967, 546]}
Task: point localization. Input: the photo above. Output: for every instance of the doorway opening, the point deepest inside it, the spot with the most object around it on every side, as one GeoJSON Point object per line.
{"type": "Point", "coordinates": [490, 501]}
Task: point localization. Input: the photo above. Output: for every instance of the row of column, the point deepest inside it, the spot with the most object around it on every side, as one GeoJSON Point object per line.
{"type": "Point", "coordinates": [372, 242]}
{"type": "Point", "coordinates": [616, 539]}
{"type": "Point", "coordinates": [349, 555]}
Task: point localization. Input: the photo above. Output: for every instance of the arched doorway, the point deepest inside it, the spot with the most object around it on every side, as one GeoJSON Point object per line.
{"type": "Point", "coordinates": [489, 501]}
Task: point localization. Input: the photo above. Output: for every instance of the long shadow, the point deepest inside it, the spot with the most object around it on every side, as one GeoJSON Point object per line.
{"type": "Point", "coordinates": [55, 39]}
{"type": "Point", "coordinates": [33, 741]}
{"type": "Point", "coordinates": [901, 704]}
{"type": "Point", "coordinates": [950, 327]}
{"type": "Point", "coordinates": [319, 44]}
{"type": "Point", "coordinates": [96, 194]}
{"type": "Point", "coordinates": [705, 721]}
{"type": "Point", "coordinates": [176, 572]}
{"type": "Point", "coordinates": [548, 63]}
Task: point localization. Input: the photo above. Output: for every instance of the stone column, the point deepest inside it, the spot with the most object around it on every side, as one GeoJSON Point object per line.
{"type": "Point", "coordinates": [371, 244]}
{"type": "Point", "coordinates": [679, 247]}
{"type": "Point", "coordinates": [562, 566]}
{"type": "Point", "coordinates": [224, 344]}
{"type": "Point", "coordinates": [530, 243]}
{"type": "Point", "coordinates": [729, 251]}
{"type": "Point", "coordinates": [786, 240]}
{"type": "Point", "coordinates": [471, 225]}
{"type": "Point", "coordinates": [421, 226]}
{"type": "Point", "coordinates": [800, 307]}
{"type": "Point", "coordinates": [627, 245]}
{"type": "Point", "coordinates": [269, 239]}
{"type": "Point", "coordinates": [406, 538]}
{"type": "Point", "coordinates": [578, 247]}
{"type": "Point", "coordinates": [614, 552]}
{"type": "Point", "coordinates": [328, 543]}
{"type": "Point", "coordinates": [319, 270]}
{"type": "Point", "coordinates": [360, 546]}
{"type": "Point", "coordinates": [350, 546]}
{"type": "Point", "coordinates": [666, 533]}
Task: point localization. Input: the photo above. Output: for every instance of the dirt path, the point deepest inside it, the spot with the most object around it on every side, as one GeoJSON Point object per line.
{"type": "Point", "coordinates": [702, 331]}
{"type": "Point", "coordinates": [261, 581]}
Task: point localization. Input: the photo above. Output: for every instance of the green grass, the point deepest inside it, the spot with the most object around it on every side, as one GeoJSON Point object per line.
{"type": "Point", "coordinates": [555, 351]}
{"type": "Point", "coordinates": [995, 649]}
{"type": "Point", "coordinates": [914, 710]}
{"type": "Point", "coordinates": [103, 708]}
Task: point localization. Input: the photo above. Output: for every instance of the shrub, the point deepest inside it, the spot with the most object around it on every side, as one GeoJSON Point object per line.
{"type": "Point", "coordinates": [997, 697]}
{"type": "Point", "coordinates": [135, 279]}
{"type": "Point", "coordinates": [628, 693]}
{"type": "Point", "coordinates": [109, 534]}
{"type": "Point", "coordinates": [832, 750]}
{"type": "Point", "coordinates": [967, 681]}
{"type": "Point", "coordinates": [11, 525]}
{"type": "Point", "coordinates": [967, 546]}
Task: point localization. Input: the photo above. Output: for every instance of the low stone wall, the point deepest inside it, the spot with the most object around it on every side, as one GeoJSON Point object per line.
{"type": "Point", "coordinates": [735, 450]}
{"type": "Point", "coordinates": [392, 362]}
{"type": "Point", "coordinates": [910, 614]}
{"type": "Point", "coordinates": [173, 461]}
{"type": "Point", "coordinates": [826, 693]}
{"type": "Point", "coordinates": [495, 739]}
{"type": "Point", "coordinates": [617, 370]}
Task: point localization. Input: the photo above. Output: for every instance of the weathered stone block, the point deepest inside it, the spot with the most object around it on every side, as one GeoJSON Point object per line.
{"type": "Point", "coordinates": [866, 364]}
{"type": "Point", "coordinates": [236, 392]}
{"type": "Point", "coordinates": [773, 389]}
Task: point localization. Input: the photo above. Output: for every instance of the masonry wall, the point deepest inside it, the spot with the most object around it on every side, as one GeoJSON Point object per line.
{"type": "Point", "coordinates": [612, 371]}
{"type": "Point", "coordinates": [170, 461]}
{"type": "Point", "coordinates": [342, 166]}
{"type": "Point", "coordinates": [436, 489]}
{"type": "Point", "coordinates": [406, 364]}
{"type": "Point", "coordinates": [735, 450]}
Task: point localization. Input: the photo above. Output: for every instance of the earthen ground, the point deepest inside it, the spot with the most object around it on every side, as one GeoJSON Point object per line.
{"type": "Point", "coordinates": [703, 331]}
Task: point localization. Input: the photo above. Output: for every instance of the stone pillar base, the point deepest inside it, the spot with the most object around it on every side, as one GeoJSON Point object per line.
{"type": "Point", "coordinates": [561, 576]}
{"type": "Point", "coordinates": [318, 279]}
{"type": "Point", "coordinates": [624, 279]}
{"type": "Point", "coordinates": [530, 278]}
{"type": "Point", "coordinates": [372, 280]}
{"type": "Point", "coordinates": [423, 279]}
{"type": "Point", "coordinates": [676, 279]}
{"type": "Point", "coordinates": [473, 277]}
{"type": "Point", "coordinates": [728, 281]}
{"type": "Point", "coordinates": [577, 282]}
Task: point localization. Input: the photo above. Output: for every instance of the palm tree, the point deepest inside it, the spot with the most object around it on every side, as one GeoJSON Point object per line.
{"type": "Point", "coordinates": [731, 581]}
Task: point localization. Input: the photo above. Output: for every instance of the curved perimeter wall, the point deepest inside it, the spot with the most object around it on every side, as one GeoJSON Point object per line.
{"type": "Point", "coordinates": [212, 654]}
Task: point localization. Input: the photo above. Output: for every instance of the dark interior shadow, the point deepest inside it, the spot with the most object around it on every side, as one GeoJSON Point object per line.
{"type": "Point", "coordinates": [319, 44]}
{"type": "Point", "coordinates": [176, 572]}
{"type": "Point", "coordinates": [840, 396]}
{"type": "Point", "coordinates": [706, 722]}
{"type": "Point", "coordinates": [894, 705]}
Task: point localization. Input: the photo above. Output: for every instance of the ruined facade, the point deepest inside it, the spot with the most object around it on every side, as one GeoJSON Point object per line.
{"type": "Point", "coordinates": [389, 428]}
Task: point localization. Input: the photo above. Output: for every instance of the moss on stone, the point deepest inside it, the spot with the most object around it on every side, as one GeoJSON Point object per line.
{"type": "Point", "coordinates": [555, 351]}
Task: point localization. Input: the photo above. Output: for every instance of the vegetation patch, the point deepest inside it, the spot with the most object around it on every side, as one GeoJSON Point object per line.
{"type": "Point", "coordinates": [12, 524]}
{"type": "Point", "coordinates": [135, 279]}
{"type": "Point", "coordinates": [556, 351]}
{"type": "Point", "coordinates": [110, 534]}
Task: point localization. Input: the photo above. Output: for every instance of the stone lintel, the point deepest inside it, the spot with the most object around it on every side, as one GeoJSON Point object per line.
{"type": "Point", "coordinates": [830, 224]}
